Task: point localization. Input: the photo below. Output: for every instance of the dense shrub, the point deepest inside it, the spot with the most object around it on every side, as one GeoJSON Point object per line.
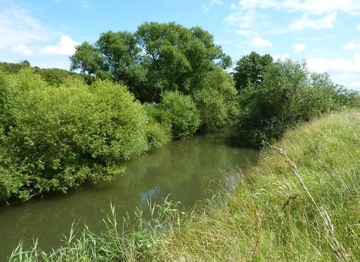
{"type": "Point", "coordinates": [54, 138]}
{"type": "Point", "coordinates": [215, 98]}
{"type": "Point", "coordinates": [287, 95]}
{"type": "Point", "coordinates": [179, 111]}
{"type": "Point", "coordinates": [158, 133]}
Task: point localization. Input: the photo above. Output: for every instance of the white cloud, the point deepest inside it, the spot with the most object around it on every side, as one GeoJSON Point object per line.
{"type": "Point", "coordinates": [306, 22]}
{"type": "Point", "coordinates": [22, 50]}
{"type": "Point", "coordinates": [323, 7]}
{"type": "Point", "coordinates": [298, 48]}
{"type": "Point", "coordinates": [336, 65]}
{"type": "Point", "coordinates": [19, 27]}
{"type": "Point", "coordinates": [260, 42]}
{"type": "Point", "coordinates": [355, 85]}
{"type": "Point", "coordinates": [250, 4]}
{"type": "Point", "coordinates": [352, 45]}
{"type": "Point", "coordinates": [358, 27]}
{"type": "Point", "coordinates": [282, 57]}
{"type": "Point", "coordinates": [233, 6]}
{"type": "Point", "coordinates": [213, 2]}
{"type": "Point", "coordinates": [247, 24]}
{"type": "Point", "coordinates": [205, 8]}
{"type": "Point", "coordinates": [83, 3]}
{"type": "Point", "coordinates": [66, 46]}
{"type": "Point", "coordinates": [307, 6]}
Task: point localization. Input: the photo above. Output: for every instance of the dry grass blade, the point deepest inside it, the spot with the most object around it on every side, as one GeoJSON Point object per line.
{"type": "Point", "coordinates": [337, 248]}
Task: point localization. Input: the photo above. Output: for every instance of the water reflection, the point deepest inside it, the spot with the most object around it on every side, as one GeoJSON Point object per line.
{"type": "Point", "coordinates": [182, 169]}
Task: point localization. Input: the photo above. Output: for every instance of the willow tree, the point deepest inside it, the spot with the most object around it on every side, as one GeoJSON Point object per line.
{"type": "Point", "coordinates": [156, 58]}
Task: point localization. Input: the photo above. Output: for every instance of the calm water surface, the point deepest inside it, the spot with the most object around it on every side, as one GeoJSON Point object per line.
{"type": "Point", "coordinates": [183, 169]}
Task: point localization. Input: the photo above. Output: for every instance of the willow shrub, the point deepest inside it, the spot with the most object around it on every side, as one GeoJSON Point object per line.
{"type": "Point", "coordinates": [216, 100]}
{"type": "Point", "coordinates": [54, 138]}
{"type": "Point", "coordinates": [287, 96]}
{"type": "Point", "coordinates": [179, 111]}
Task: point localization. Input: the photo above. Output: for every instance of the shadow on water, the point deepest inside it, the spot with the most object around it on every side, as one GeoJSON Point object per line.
{"type": "Point", "coordinates": [182, 169]}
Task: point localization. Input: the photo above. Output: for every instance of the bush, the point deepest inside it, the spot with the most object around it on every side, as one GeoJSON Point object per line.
{"type": "Point", "coordinates": [215, 98]}
{"type": "Point", "coordinates": [54, 138]}
{"type": "Point", "coordinates": [158, 133]}
{"type": "Point", "coordinates": [179, 111]}
{"type": "Point", "coordinates": [287, 96]}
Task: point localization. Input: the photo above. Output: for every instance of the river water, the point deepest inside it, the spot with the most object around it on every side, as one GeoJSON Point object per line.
{"type": "Point", "coordinates": [184, 169]}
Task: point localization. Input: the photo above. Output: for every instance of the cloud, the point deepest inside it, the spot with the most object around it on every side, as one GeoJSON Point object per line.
{"type": "Point", "coordinates": [18, 26]}
{"type": "Point", "coordinates": [352, 45]}
{"type": "Point", "coordinates": [358, 27]}
{"type": "Point", "coordinates": [248, 24]}
{"type": "Point", "coordinates": [66, 46]}
{"type": "Point", "coordinates": [306, 22]}
{"type": "Point", "coordinates": [250, 4]}
{"type": "Point", "coordinates": [213, 2]}
{"type": "Point", "coordinates": [307, 6]}
{"type": "Point", "coordinates": [83, 3]}
{"type": "Point", "coordinates": [336, 65]}
{"type": "Point", "coordinates": [298, 48]}
{"type": "Point", "coordinates": [282, 57]}
{"type": "Point", "coordinates": [22, 50]}
{"type": "Point", "coordinates": [249, 17]}
{"type": "Point", "coordinates": [355, 85]}
{"type": "Point", "coordinates": [260, 42]}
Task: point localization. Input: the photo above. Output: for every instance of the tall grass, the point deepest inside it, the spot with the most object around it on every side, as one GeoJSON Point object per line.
{"type": "Point", "coordinates": [299, 203]}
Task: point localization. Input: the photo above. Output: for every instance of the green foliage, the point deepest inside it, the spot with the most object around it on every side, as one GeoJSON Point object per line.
{"type": "Point", "coordinates": [179, 111]}
{"type": "Point", "coordinates": [53, 76]}
{"type": "Point", "coordinates": [249, 69]}
{"type": "Point", "coordinates": [287, 95]}
{"type": "Point", "coordinates": [158, 133]}
{"type": "Point", "coordinates": [54, 138]}
{"type": "Point", "coordinates": [12, 67]}
{"type": "Point", "coordinates": [156, 58]}
{"type": "Point", "coordinates": [216, 100]}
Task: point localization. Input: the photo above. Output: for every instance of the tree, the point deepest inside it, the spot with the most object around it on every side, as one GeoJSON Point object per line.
{"type": "Point", "coordinates": [25, 63]}
{"type": "Point", "coordinates": [249, 69]}
{"type": "Point", "coordinates": [270, 107]}
{"type": "Point", "coordinates": [287, 95]}
{"type": "Point", "coordinates": [88, 59]}
{"type": "Point", "coordinates": [156, 58]}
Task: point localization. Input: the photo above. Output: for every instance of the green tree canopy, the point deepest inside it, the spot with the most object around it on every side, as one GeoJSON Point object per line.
{"type": "Point", "coordinates": [249, 69]}
{"type": "Point", "coordinates": [156, 58]}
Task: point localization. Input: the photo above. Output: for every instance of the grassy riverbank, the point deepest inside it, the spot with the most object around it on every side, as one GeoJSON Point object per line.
{"type": "Point", "coordinates": [299, 203]}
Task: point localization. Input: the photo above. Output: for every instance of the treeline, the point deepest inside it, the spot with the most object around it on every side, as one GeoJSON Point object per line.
{"type": "Point", "coordinates": [53, 76]}
{"type": "Point", "coordinates": [137, 91]}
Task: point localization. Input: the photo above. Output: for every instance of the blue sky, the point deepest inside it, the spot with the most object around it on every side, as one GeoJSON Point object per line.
{"type": "Point", "coordinates": [326, 33]}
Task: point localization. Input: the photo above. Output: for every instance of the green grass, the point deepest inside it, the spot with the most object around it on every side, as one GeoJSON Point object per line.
{"type": "Point", "coordinates": [299, 203]}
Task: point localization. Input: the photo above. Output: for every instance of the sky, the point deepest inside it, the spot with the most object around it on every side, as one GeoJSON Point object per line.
{"type": "Point", "coordinates": [324, 33]}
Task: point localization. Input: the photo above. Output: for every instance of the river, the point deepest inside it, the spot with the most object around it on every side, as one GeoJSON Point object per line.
{"type": "Point", "coordinates": [184, 169]}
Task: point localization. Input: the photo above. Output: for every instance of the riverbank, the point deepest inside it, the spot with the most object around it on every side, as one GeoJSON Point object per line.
{"type": "Point", "coordinates": [299, 203]}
